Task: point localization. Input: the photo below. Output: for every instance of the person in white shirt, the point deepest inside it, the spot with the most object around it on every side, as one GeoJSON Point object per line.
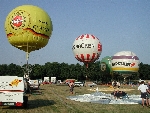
{"type": "Point", "coordinates": [143, 89]}
{"type": "Point", "coordinates": [118, 84]}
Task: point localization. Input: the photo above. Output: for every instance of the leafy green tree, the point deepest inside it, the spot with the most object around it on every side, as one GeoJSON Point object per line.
{"type": "Point", "coordinates": [72, 70]}
{"type": "Point", "coordinates": [55, 69]}
{"type": "Point", "coordinates": [3, 69]}
{"type": "Point", "coordinates": [14, 70]}
{"type": "Point", "coordinates": [64, 71]}
{"type": "Point", "coordinates": [144, 71]}
{"type": "Point", "coordinates": [48, 69]}
{"type": "Point", "coordinates": [79, 72]}
{"type": "Point", "coordinates": [36, 72]}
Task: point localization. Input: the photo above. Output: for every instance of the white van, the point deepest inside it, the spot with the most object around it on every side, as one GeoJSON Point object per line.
{"type": "Point", "coordinates": [12, 91]}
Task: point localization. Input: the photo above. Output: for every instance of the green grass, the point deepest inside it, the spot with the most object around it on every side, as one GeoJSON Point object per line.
{"type": "Point", "coordinates": [53, 100]}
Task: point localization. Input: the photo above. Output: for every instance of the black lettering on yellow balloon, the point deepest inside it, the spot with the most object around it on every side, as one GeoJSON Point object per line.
{"type": "Point", "coordinates": [41, 28]}
{"type": "Point", "coordinates": [44, 28]}
{"type": "Point", "coordinates": [12, 27]}
{"type": "Point", "coordinates": [21, 21]}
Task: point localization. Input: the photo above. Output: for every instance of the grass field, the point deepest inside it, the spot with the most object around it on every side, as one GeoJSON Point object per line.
{"type": "Point", "coordinates": [53, 100]}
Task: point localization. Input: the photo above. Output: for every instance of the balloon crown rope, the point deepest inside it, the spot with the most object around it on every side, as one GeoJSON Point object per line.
{"type": "Point", "coordinates": [27, 69]}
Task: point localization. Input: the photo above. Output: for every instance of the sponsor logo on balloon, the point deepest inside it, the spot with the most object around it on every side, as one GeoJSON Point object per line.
{"type": "Point", "coordinates": [83, 46]}
{"type": "Point", "coordinates": [103, 66]}
{"type": "Point", "coordinates": [17, 21]}
{"type": "Point", "coordinates": [99, 47]}
{"type": "Point", "coordinates": [132, 64]}
{"type": "Point", "coordinates": [123, 64]}
{"type": "Point", "coordinates": [87, 46]}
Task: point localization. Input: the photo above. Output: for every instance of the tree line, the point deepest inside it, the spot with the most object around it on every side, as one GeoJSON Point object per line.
{"type": "Point", "coordinates": [79, 72]}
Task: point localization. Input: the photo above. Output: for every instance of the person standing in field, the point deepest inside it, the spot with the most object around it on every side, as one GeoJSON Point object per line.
{"type": "Point", "coordinates": [112, 83]}
{"type": "Point", "coordinates": [71, 85]}
{"type": "Point", "coordinates": [118, 84]}
{"type": "Point", "coordinates": [143, 89]}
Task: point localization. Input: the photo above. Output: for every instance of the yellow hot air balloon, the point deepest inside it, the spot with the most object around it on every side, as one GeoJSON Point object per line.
{"type": "Point", "coordinates": [28, 28]}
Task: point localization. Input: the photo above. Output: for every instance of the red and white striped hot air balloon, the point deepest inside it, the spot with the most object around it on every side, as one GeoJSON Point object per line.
{"type": "Point", "coordinates": [87, 48]}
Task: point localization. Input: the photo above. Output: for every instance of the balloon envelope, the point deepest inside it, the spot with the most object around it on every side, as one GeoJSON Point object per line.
{"type": "Point", "coordinates": [87, 48]}
{"type": "Point", "coordinates": [28, 28]}
{"type": "Point", "coordinates": [125, 62]}
{"type": "Point", "coordinates": [106, 63]}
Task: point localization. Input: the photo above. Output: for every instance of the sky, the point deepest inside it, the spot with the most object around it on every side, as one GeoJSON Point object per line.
{"type": "Point", "coordinates": [120, 25]}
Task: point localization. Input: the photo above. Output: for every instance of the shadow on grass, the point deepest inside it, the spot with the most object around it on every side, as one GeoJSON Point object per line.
{"type": "Point", "coordinates": [36, 92]}
{"type": "Point", "coordinates": [36, 103]}
{"type": "Point", "coordinates": [41, 89]}
{"type": "Point", "coordinates": [39, 103]}
{"type": "Point", "coordinates": [32, 104]}
{"type": "Point", "coordinates": [61, 85]}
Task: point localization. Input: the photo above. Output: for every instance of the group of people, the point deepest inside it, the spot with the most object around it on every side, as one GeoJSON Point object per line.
{"type": "Point", "coordinates": [144, 89]}
{"type": "Point", "coordinates": [115, 84]}
{"type": "Point", "coordinates": [145, 93]}
{"type": "Point", "coordinates": [118, 94]}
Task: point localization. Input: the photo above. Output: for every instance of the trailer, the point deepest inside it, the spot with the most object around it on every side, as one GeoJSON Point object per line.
{"type": "Point", "coordinates": [53, 79]}
{"type": "Point", "coordinates": [12, 91]}
{"type": "Point", "coordinates": [46, 79]}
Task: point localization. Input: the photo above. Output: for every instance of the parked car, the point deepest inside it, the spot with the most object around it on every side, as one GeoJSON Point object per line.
{"type": "Point", "coordinates": [92, 84]}
{"type": "Point", "coordinates": [34, 84]}
{"type": "Point", "coordinates": [78, 84]}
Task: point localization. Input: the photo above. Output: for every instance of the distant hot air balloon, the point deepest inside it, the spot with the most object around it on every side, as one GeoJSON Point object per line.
{"type": "Point", "coordinates": [105, 64]}
{"type": "Point", "coordinates": [125, 63]}
{"type": "Point", "coordinates": [28, 28]}
{"type": "Point", "coordinates": [87, 48]}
